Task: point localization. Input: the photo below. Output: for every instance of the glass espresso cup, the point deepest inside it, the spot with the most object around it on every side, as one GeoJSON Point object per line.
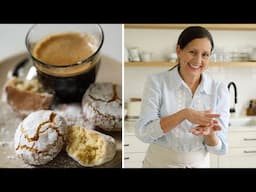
{"type": "Point", "coordinates": [66, 56]}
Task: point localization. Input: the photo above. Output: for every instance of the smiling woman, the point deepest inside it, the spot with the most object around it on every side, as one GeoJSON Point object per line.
{"type": "Point", "coordinates": [185, 113]}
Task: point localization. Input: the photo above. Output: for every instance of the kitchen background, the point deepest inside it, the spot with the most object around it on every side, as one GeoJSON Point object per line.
{"type": "Point", "coordinates": [234, 59]}
{"type": "Point", "coordinates": [229, 45]}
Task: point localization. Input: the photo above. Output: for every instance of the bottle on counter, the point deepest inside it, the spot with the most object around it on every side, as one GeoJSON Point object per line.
{"type": "Point", "coordinates": [251, 110]}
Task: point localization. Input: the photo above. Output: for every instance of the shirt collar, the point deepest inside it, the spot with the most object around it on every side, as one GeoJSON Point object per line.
{"type": "Point", "coordinates": [176, 79]}
{"type": "Point", "coordinates": [204, 86]}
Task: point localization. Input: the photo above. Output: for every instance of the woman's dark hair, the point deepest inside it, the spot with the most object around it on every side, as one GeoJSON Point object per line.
{"type": "Point", "coordinates": [194, 32]}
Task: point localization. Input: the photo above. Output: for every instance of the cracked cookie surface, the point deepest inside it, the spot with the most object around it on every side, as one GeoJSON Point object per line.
{"type": "Point", "coordinates": [40, 137]}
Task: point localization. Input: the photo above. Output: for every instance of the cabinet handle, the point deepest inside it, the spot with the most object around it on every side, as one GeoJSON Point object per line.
{"type": "Point", "coordinates": [126, 145]}
{"type": "Point", "coordinates": [126, 158]}
{"type": "Point", "coordinates": [245, 151]}
{"type": "Point", "coordinates": [249, 139]}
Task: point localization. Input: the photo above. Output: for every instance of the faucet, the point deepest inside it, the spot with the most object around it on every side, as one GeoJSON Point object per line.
{"type": "Point", "coordinates": [233, 110]}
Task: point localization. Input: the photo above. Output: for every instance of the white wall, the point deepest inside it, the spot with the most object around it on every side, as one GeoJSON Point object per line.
{"type": "Point", "coordinates": [163, 41]}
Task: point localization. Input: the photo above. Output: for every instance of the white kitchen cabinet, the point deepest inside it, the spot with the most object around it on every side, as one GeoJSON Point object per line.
{"type": "Point", "coordinates": [132, 144]}
{"type": "Point", "coordinates": [134, 149]}
{"type": "Point", "coordinates": [213, 161]}
{"type": "Point", "coordinates": [239, 158]}
{"type": "Point", "coordinates": [241, 152]}
{"type": "Point", "coordinates": [242, 149]}
{"type": "Point", "coordinates": [133, 160]}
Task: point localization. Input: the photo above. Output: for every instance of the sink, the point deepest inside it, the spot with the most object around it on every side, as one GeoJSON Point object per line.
{"type": "Point", "coordinates": [242, 122]}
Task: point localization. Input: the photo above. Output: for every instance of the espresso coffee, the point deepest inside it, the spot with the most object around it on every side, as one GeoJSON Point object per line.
{"type": "Point", "coordinates": [64, 48]}
{"type": "Point", "coordinates": [68, 89]}
{"type": "Point", "coordinates": [67, 63]}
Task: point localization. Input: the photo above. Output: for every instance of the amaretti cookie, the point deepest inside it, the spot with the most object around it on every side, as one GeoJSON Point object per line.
{"type": "Point", "coordinates": [26, 96]}
{"type": "Point", "coordinates": [40, 137]}
{"type": "Point", "coordinates": [71, 112]}
{"type": "Point", "coordinates": [102, 105]}
{"type": "Point", "coordinates": [89, 147]}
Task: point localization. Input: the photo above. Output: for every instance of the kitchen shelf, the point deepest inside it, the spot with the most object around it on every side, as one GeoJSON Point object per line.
{"type": "Point", "coordinates": [226, 26]}
{"type": "Point", "coordinates": [149, 64]}
{"type": "Point", "coordinates": [170, 64]}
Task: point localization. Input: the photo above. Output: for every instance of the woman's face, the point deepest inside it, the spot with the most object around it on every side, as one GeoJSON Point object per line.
{"type": "Point", "coordinates": [194, 58]}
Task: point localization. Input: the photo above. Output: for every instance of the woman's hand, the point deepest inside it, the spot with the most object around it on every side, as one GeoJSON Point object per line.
{"type": "Point", "coordinates": [206, 130]}
{"type": "Point", "coordinates": [202, 118]}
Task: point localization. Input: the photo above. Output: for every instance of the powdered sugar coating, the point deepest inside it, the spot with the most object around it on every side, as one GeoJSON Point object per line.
{"type": "Point", "coordinates": [40, 137]}
{"type": "Point", "coordinates": [71, 112]}
{"type": "Point", "coordinates": [102, 105]}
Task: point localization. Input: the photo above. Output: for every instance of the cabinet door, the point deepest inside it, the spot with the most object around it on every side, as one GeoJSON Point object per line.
{"type": "Point", "coordinates": [134, 156]}
{"type": "Point", "coordinates": [242, 139]}
{"type": "Point", "coordinates": [213, 161]}
{"type": "Point", "coordinates": [132, 144]}
{"type": "Point", "coordinates": [133, 160]}
{"type": "Point", "coordinates": [133, 164]}
{"type": "Point", "coordinates": [239, 158]}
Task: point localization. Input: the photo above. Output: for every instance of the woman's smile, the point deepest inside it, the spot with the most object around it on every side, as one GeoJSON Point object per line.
{"type": "Point", "coordinates": [194, 66]}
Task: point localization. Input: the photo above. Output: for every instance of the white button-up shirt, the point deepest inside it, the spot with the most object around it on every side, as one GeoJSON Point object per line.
{"type": "Point", "coordinates": [165, 94]}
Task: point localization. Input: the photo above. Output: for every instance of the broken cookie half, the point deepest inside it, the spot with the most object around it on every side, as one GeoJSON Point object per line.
{"type": "Point", "coordinates": [89, 147]}
{"type": "Point", "coordinates": [26, 96]}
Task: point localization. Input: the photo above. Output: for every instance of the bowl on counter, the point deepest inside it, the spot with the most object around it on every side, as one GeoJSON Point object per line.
{"type": "Point", "coordinates": [242, 122]}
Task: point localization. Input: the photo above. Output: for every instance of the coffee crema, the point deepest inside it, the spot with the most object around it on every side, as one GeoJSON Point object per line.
{"type": "Point", "coordinates": [60, 51]}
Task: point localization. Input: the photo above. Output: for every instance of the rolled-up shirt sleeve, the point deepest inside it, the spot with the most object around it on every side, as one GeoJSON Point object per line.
{"type": "Point", "coordinates": [222, 107]}
{"type": "Point", "coordinates": [148, 128]}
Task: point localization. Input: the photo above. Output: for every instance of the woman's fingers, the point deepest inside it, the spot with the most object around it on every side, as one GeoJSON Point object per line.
{"type": "Point", "coordinates": [207, 122]}
{"type": "Point", "coordinates": [208, 119]}
{"type": "Point", "coordinates": [196, 131]}
{"type": "Point", "coordinates": [205, 130]}
{"type": "Point", "coordinates": [212, 115]}
{"type": "Point", "coordinates": [204, 118]}
{"type": "Point", "coordinates": [216, 128]}
{"type": "Point", "coordinates": [215, 121]}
